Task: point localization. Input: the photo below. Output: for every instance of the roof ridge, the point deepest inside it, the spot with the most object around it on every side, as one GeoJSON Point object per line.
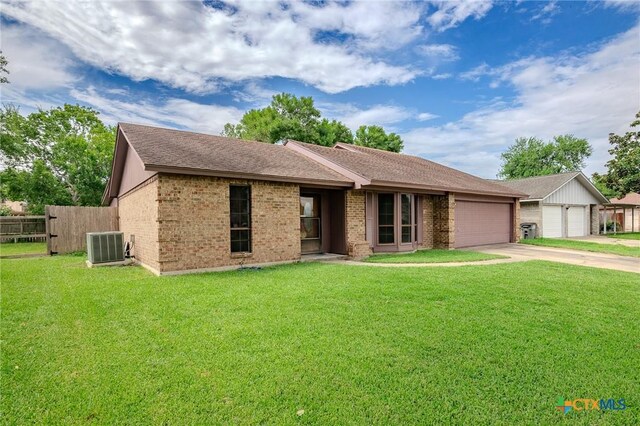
{"type": "Point", "coordinates": [541, 176]}
{"type": "Point", "coordinates": [171, 129]}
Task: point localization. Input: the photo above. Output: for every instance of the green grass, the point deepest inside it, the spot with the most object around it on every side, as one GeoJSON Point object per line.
{"type": "Point", "coordinates": [432, 256]}
{"type": "Point", "coordinates": [585, 246]}
{"type": "Point", "coordinates": [348, 345]}
{"type": "Point", "coordinates": [11, 249]}
{"type": "Point", "coordinates": [626, 236]}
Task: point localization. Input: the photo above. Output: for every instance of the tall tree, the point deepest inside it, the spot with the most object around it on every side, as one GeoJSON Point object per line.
{"type": "Point", "coordinates": [623, 170]}
{"type": "Point", "coordinates": [534, 157]}
{"type": "Point", "coordinates": [3, 68]}
{"type": "Point", "coordinates": [290, 117]}
{"type": "Point", "coordinates": [332, 132]}
{"type": "Point", "coordinates": [57, 156]}
{"type": "Point", "coordinates": [287, 117]}
{"type": "Point", "coordinates": [376, 137]}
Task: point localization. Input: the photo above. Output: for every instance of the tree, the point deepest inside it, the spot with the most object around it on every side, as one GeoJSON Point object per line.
{"type": "Point", "coordinates": [60, 156]}
{"type": "Point", "coordinates": [332, 132]}
{"type": "Point", "coordinates": [534, 157]}
{"type": "Point", "coordinates": [623, 170]}
{"type": "Point", "coordinates": [376, 137]}
{"type": "Point", "coordinates": [3, 68]}
{"type": "Point", "coordinates": [287, 117]}
{"type": "Point", "coordinates": [290, 117]}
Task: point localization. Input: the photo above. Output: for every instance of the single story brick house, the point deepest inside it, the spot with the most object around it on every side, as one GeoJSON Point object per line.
{"type": "Point", "coordinates": [192, 202]}
{"type": "Point", "coordinates": [561, 205]}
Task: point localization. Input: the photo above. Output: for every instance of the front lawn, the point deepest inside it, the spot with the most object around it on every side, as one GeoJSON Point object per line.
{"type": "Point", "coordinates": [626, 236]}
{"type": "Point", "coordinates": [433, 256]}
{"type": "Point", "coordinates": [12, 249]}
{"type": "Point", "coordinates": [585, 246]}
{"type": "Point", "coordinates": [493, 344]}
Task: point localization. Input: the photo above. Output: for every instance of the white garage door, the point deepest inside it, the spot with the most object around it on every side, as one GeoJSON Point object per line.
{"type": "Point", "coordinates": [576, 222]}
{"type": "Point", "coordinates": [552, 221]}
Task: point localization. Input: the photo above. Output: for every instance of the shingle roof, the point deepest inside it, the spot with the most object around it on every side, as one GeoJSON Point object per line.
{"type": "Point", "coordinates": [176, 149]}
{"type": "Point", "coordinates": [630, 198]}
{"type": "Point", "coordinates": [539, 187]}
{"type": "Point", "coordinates": [392, 169]}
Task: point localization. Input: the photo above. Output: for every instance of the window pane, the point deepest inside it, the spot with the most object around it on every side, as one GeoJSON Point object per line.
{"type": "Point", "coordinates": [309, 206]}
{"type": "Point", "coordinates": [406, 209]}
{"type": "Point", "coordinates": [240, 241]}
{"type": "Point", "coordinates": [385, 209]}
{"type": "Point", "coordinates": [386, 218]}
{"type": "Point", "coordinates": [239, 220]}
{"type": "Point", "coordinates": [406, 234]}
{"type": "Point", "coordinates": [309, 228]}
{"type": "Point", "coordinates": [385, 235]}
{"type": "Point", "coordinates": [239, 192]}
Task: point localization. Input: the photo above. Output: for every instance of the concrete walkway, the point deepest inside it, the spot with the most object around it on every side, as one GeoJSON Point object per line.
{"type": "Point", "coordinates": [427, 265]}
{"type": "Point", "coordinates": [521, 252]}
{"type": "Point", "coordinates": [601, 239]}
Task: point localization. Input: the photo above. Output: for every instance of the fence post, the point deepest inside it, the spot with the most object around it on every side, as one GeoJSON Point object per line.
{"type": "Point", "coordinates": [47, 229]}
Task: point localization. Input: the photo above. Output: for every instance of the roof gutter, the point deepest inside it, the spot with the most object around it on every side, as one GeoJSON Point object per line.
{"type": "Point", "coordinates": [241, 175]}
{"type": "Point", "coordinates": [446, 189]}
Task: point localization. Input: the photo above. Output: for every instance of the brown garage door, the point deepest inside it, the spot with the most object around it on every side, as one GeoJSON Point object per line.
{"type": "Point", "coordinates": [480, 223]}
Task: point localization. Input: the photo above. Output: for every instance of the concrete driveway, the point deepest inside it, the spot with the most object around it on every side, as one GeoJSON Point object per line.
{"type": "Point", "coordinates": [602, 239]}
{"type": "Point", "coordinates": [573, 257]}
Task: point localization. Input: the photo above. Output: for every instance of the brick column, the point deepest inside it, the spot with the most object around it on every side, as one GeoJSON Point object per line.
{"type": "Point", "coordinates": [427, 221]}
{"type": "Point", "coordinates": [595, 219]}
{"type": "Point", "coordinates": [444, 221]}
{"type": "Point", "coordinates": [355, 218]}
{"type": "Point", "coordinates": [516, 221]}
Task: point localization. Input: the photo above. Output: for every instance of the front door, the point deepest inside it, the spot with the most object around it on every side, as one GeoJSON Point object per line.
{"type": "Point", "coordinates": [310, 235]}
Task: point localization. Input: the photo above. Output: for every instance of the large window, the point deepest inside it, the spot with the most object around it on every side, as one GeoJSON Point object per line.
{"type": "Point", "coordinates": [240, 203]}
{"type": "Point", "coordinates": [407, 225]}
{"type": "Point", "coordinates": [386, 218]}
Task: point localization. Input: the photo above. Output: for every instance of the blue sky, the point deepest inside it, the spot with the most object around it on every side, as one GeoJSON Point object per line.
{"type": "Point", "coordinates": [458, 80]}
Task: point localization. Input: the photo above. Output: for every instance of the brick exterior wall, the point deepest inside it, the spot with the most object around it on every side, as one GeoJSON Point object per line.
{"type": "Point", "coordinates": [355, 207]}
{"type": "Point", "coordinates": [595, 219]}
{"type": "Point", "coordinates": [138, 215]}
{"type": "Point", "coordinates": [194, 229]}
{"type": "Point", "coordinates": [444, 221]}
{"type": "Point", "coordinates": [427, 222]}
{"type": "Point", "coordinates": [516, 222]}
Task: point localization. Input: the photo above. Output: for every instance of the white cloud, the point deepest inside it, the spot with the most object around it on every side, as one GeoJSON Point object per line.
{"type": "Point", "coordinates": [450, 14]}
{"type": "Point", "coordinates": [173, 112]}
{"type": "Point", "coordinates": [426, 116]}
{"type": "Point", "coordinates": [546, 12]}
{"type": "Point", "coordinates": [197, 48]}
{"type": "Point", "coordinates": [588, 95]}
{"type": "Point", "coordinates": [367, 21]}
{"type": "Point", "coordinates": [35, 61]}
{"type": "Point", "coordinates": [442, 76]}
{"type": "Point", "coordinates": [354, 117]}
{"type": "Point", "coordinates": [625, 5]}
{"type": "Point", "coordinates": [445, 52]}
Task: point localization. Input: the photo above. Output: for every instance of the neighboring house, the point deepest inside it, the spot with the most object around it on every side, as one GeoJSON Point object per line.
{"type": "Point", "coordinates": [192, 201]}
{"type": "Point", "coordinates": [561, 205]}
{"type": "Point", "coordinates": [18, 208]}
{"type": "Point", "coordinates": [624, 213]}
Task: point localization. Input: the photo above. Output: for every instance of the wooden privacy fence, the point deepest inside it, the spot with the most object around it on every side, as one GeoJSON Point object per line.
{"type": "Point", "coordinates": [22, 228]}
{"type": "Point", "coordinates": [67, 226]}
